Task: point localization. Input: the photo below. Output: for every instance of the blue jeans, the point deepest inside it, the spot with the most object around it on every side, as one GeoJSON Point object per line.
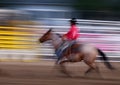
{"type": "Point", "coordinates": [62, 47]}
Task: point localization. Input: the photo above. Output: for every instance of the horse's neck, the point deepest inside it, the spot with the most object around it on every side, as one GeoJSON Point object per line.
{"type": "Point", "coordinates": [56, 40]}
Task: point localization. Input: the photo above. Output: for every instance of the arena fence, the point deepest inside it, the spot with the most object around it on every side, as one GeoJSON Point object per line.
{"type": "Point", "coordinates": [21, 43]}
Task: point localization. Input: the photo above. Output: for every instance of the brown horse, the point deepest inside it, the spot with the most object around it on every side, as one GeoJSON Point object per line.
{"type": "Point", "coordinates": [76, 52]}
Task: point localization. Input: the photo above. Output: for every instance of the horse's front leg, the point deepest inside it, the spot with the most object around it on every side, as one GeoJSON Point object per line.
{"type": "Point", "coordinates": [57, 63]}
{"type": "Point", "coordinates": [63, 67]}
{"type": "Point", "coordinates": [60, 64]}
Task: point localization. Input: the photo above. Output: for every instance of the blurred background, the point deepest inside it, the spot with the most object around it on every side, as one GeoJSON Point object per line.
{"type": "Point", "coordinates": [22, 22]}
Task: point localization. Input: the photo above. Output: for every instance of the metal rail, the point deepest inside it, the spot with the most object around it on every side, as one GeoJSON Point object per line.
{"type": "Point", "coordinates": [103, 34]}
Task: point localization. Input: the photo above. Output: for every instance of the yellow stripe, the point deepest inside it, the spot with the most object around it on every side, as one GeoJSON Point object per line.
{"type": "Point", "coordinates": [14, 33]}
{"type": "Point", "coordinates": [13, 28]}
{"type": "Point", "coordinates": [14, 38]}
{"type": "Point", "coordinates": [17, 42]}
{"type": "Point", "coordinates": [17, 39]}
{"type": "Point", "coordinates": [16, 47]}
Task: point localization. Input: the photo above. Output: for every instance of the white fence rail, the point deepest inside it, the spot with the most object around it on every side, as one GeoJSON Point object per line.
{"type": "Point", "coordinates": [103, 34]}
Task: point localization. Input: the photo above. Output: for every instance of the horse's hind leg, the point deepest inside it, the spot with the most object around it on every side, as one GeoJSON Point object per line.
{"type": "Point", "coordinates": [92, 66]}
{"type": "Point", "coordinates": [89, 70]}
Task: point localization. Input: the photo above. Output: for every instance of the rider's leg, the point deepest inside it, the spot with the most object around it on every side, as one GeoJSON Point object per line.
{"type": "Point", "coordinates": [61, 48]}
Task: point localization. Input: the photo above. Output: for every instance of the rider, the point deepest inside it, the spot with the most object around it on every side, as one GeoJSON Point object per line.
{"type": "Point", "coordinates": [72, 34]}
{"type": "Point", "coordinates": [69, 38]}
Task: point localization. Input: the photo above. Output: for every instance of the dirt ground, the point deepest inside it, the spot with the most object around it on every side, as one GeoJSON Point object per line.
{"type": "Point", "coordinates": [44, 73]}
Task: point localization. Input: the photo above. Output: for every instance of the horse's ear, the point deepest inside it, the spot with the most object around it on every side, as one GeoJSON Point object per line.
{"type": "Point", "coordinates": [50, 29]}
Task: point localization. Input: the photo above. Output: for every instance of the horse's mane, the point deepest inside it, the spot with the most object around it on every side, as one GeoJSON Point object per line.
{"type": "Point", "coordinates": [59, 35]}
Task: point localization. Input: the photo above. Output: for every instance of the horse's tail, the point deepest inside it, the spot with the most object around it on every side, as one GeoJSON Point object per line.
{"type": "Point", "coordinates": [107, 63]}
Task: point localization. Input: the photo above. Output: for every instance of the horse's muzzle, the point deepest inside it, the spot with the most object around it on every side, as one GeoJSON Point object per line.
{"type": "Point", "coordinates": [40, 40]}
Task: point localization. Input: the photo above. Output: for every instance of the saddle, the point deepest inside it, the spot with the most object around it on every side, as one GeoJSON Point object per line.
{"type": "Point", "coordinates": [65, 46]}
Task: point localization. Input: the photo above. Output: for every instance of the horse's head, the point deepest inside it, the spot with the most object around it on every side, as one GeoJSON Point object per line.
{"type": "Point", "coordinates": [46, 36]}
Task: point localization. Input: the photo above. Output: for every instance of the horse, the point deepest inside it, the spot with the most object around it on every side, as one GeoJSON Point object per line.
{"type": "Point", "coordinates": [75, 53]}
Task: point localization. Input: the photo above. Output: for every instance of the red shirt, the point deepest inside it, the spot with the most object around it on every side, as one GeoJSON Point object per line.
{"type": "Point", "coordinates": [72, 34]}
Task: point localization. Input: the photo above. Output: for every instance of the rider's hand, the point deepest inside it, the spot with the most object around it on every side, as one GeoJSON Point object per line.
{"type": "Point", "coordinates": [64, 38]}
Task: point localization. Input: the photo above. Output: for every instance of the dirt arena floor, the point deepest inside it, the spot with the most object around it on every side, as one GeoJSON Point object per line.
{"type": "Point", "coordinates": [44, 73]}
